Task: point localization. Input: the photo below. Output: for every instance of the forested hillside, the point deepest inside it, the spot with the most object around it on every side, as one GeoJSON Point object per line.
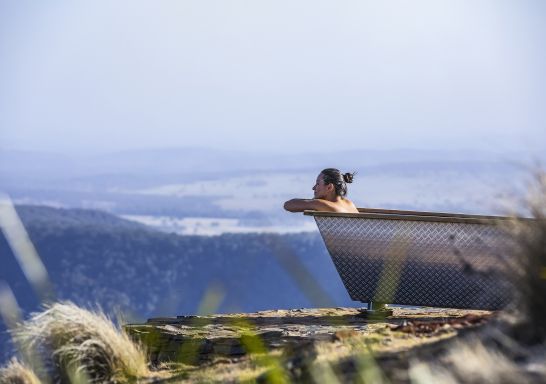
{"type": "Point", "coordinates": [96, 258]}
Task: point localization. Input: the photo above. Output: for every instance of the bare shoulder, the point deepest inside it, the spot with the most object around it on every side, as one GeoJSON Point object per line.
{"type": "Point", "coordinates": [348, 206]}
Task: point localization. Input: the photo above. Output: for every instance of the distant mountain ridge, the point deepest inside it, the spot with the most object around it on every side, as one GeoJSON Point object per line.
{"type": "Point", "coordinates": [44, 167]}
{"type": "Point", "coordinates": [62, 218]}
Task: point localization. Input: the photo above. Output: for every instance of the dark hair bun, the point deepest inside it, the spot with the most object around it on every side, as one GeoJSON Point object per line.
{"type": "Point", "coordinates": [348, 177]}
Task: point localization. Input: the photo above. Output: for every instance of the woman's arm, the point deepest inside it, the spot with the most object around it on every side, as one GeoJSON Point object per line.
{"type": "Point", "coordinates": [300, 205]}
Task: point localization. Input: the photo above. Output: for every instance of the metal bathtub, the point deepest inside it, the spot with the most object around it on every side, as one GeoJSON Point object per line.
{"type": "Point", "coordinates": [420, 258]}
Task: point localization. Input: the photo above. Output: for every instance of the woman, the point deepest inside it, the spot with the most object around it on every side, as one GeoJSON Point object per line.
{"type": "Point", "coordinates": [330, 191]}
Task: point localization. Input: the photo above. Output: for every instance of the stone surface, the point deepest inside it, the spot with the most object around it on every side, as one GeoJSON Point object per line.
{"type": "Point", "coordinates": [211, 343]}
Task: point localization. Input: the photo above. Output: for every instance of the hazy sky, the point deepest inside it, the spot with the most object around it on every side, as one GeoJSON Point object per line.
{"type": "Point", "coordinates": [112, 75]}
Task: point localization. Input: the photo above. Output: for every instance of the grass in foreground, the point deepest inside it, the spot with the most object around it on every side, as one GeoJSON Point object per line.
{"type": "Point", "coordinates": [66, 343]}
{"type": "Point", "coordinates": [17, 373]}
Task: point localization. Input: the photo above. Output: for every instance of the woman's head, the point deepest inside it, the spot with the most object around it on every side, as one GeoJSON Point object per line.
{"type": "Point", "coordinates": [331, 180]}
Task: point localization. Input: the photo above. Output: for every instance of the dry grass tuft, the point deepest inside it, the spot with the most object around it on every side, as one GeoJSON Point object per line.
{"type": "Point", "coordinates": [473, 362]}
{"type": "Point", "coordinates": [66, 343]}
{"type": "Point", "coordinates": [529, 269]}
{"type": "Point", "coordinates": [17, 373]}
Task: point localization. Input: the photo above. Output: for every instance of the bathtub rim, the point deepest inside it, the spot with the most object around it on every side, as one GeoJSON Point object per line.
{"type": "Point", "coordinates": [396, 214]}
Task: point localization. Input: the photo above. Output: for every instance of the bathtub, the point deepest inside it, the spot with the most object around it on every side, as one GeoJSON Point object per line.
{"type": "Point", "coordinates": [420, 258]}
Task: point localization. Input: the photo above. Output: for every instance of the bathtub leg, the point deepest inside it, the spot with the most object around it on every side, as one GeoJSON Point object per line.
{"type": "Point", "coordinates": [376, 306]}
{"type": "Point", "coordinates": [376, 310]}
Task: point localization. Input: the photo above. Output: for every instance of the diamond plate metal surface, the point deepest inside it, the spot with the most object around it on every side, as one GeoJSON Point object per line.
{"type": "Point", "coordinates": [438, 264]}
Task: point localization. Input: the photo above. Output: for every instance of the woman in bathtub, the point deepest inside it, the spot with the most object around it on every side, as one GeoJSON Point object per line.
{"type": "Point", "coordinates": [330, 190]}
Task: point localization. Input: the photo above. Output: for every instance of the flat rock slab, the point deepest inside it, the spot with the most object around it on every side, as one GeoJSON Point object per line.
{"type": "Point", "coordinates": [196, 340]}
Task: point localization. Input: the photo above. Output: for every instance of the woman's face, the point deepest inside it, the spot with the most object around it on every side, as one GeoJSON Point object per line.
{"type": "Point", "coordinates": [321, 189]}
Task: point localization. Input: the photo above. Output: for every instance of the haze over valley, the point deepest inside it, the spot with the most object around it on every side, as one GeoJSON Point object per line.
{"type": "Point", "coordinates": [210, 192]}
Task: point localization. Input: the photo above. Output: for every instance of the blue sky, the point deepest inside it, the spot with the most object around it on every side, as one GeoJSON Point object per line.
{"type": "Point", "coordinates": [107, 75]}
